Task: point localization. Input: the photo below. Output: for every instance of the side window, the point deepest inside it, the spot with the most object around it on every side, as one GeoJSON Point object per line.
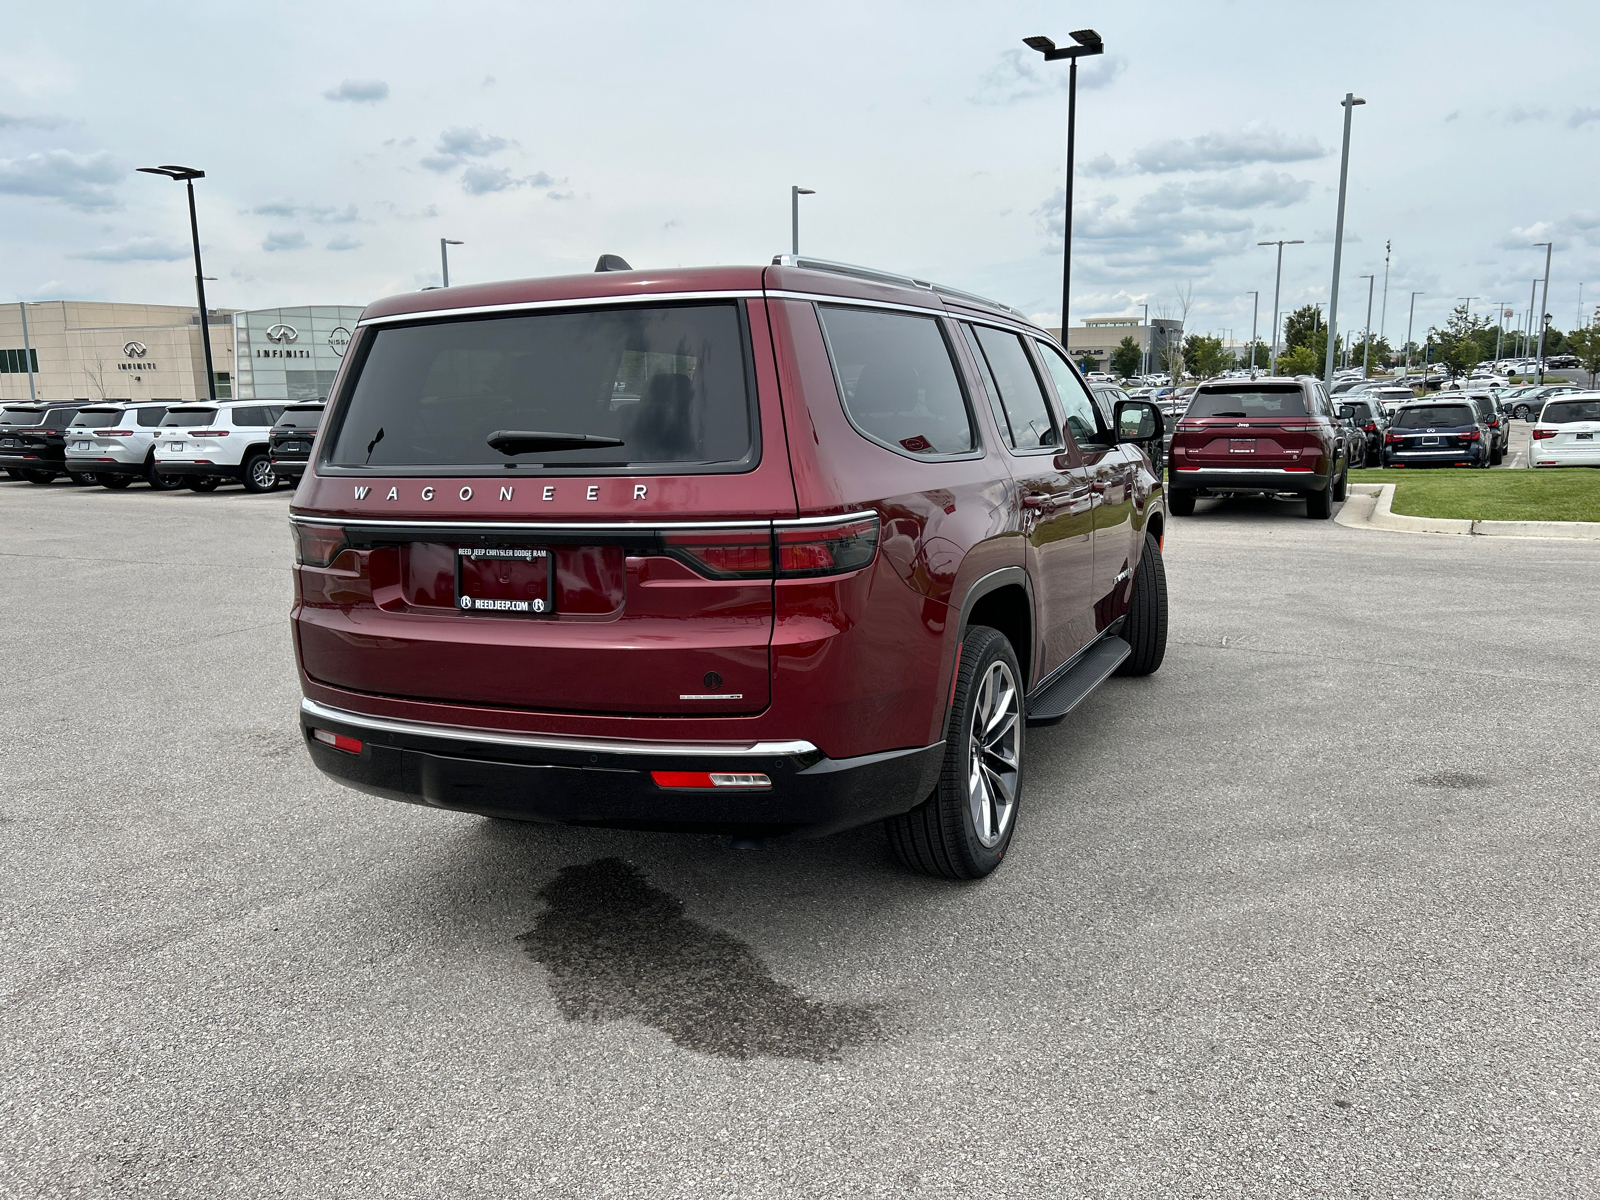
{"type": "Point", "coordinates": [1022, 411]}
{"type": "Point", "coordinates": [1082, 420]}
{"type": "Point", "coordinates": [897, 379]}
{"type": "Point", "coordinates": [149, 417]}
{"type": "Point", "coordinates": [245, 417]}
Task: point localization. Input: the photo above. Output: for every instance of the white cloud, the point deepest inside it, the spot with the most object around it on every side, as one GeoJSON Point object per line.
{"type": "Point", "coordinates": [480, 178]}
{"type": "Point", "coordinates": [81, 181]}
{"type": "Point", "coordinates": [359, 91]}
{"type": "Point", "coordinates": [13, 121]}
{"type": "Point", "coordinates": [1582, 116]}
{"type": "Point", "coordinates": [137, 249]}
{"type": "Point", "coordinates": [1517, 114]}
{"type": "Point", "coordinates": [1022, 74]}
{"type": "Point", "coordinates": [1209, 152]}
{"type": "Point", "coordinates": [344, 242]}
{"type": "Point", "coordinates": [284, 241]}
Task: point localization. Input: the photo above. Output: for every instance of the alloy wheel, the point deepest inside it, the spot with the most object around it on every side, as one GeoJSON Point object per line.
{"type": "Point", "coordinates": [262, 476]}
{"type": "Point", "coordinates": [994, 754]}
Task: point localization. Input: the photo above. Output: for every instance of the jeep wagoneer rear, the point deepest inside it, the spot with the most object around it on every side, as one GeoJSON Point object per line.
{"type": "Point", "coordinates": [692, 550]}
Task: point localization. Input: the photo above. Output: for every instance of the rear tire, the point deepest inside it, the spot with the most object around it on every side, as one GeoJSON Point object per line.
{"type": "Point", "coordinates": [258, 476]}
{"type": "Point", "coordinates": [1146, 627]}
{"type": "Point", "coordinates": [83, 478]}
{"type": "Point", "coordinates": [1342, 485]}
{"type": "Point", "coordinates": [1180, 504]}
{"type": "Point", "coordinates": [162, 483]}
{"type": "Point", "coordinates": [1496, 457]}
{"type": "Point", "coordinates": [201, 483]}
{"type": "Point", "coordinates": [1520, 412]}
{"type": "Point", "coordinates": [1319, 505]}
{"type": "Point", "coordinates": [962, 831]}
{"type": "Point", "coordinates": [40, 477]}
{"type": "Point", "coordinates": [115, 482]}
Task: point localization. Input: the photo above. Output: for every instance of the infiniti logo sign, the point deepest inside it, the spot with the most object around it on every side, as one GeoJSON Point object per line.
{"type": "Point", "coordinates": [134, 349]}
{"type": "Point", "coordinates": [283, 333]}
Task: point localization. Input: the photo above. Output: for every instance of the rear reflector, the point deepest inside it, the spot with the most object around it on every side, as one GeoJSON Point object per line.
{"type": "Point", "coordinates": [317, 545]}
{"type": "Point", "coordinates": [709, 779]}
{"type": "Point", "coordinates": [337, 740]}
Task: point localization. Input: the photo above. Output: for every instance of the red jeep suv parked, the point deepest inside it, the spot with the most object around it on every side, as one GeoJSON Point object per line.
{"type": "Point", "coordinates": [755, 550]}
{"type": "Point", "coordinates": [1259, 436]}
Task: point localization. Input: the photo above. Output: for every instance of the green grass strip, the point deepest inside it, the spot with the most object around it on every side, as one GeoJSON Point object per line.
{"type": "Point", "coordinates": [1544, 494]}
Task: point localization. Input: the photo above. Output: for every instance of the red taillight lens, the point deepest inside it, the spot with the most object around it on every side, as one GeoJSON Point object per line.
{"type": "Point", "coordinates": [827, 549]}
{"type": "Point", "coordinates": [1470, 437]}
{"type": "Point", "coordinates": [1539, 435]}
{"type": "Point", "coordinates": [207, 433]}
{"type": "Point", "coordinates": [1393, 439]}
{"type": "Point", "coordinates": [113, 433]}
{"type": "Point", "coordinates": [317, 545]}
{"type": "Point", "coordinates": [337, 740]}
{"type": "Point", "coordinates": [723, 554]}
{"type": "Point", "coordinates": [710, 779]}
{"type": "Point", "coordinates": [1371, 427]}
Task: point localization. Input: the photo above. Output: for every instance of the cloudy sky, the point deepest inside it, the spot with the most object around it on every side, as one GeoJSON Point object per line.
{"type": "Point", "coordinates": [342, 141]}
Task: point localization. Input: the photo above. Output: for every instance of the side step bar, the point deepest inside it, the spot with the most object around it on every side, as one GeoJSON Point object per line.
{"type": "Point", "coordinates": [1088, 673]}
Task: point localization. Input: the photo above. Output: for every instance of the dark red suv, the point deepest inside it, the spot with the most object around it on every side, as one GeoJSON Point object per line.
{"type": "Point", "coordinates": [1259, 436]}
{"type": "Point", "coordinates": [755, 550]}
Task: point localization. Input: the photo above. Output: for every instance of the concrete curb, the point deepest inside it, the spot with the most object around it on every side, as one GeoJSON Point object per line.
{"type": "Point", "coordinates": [1369, 508]}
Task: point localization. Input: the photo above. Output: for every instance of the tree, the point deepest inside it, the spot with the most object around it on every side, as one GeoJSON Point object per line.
{"type": "Point", "coordinates": [1088, 363]}
{"type": "Point", "coordinates": [1205, 356]}
{"type": "Point", "coordinates": [1304, 327]}
{"type": "Point", "coordinates": [1585, 343]}
{"type": "Point", "coordinates": [1302, 360]}
{"type": "Point", "coordinates": [1127, 358]}
{"type": "Point", "coordinates": [1455, 347]}
{"type": "Point", "coordinates": [1382, 355]}
{"type": "Point", "coordinates": [1262, 355]}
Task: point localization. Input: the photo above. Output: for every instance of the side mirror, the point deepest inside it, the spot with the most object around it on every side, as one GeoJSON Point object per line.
{"type": "Point", "coordinates": [1137, 421]}
{"type": "Point", "coordinates": [1347, 412]}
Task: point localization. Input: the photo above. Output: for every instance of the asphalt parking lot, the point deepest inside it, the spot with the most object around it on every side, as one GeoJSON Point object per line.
{"type": "Point", "coordinates": [1310, 912]}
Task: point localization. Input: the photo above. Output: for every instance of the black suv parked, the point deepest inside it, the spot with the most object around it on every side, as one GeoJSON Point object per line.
{"type": "Point", "coordinates": [289, 443]}
{"type": "Point", "coordinates": [33, 441]}
{"type": "Point", "coordinates": [1372, 419]}
{"type": "Point", "coordinates": [1499, 428]}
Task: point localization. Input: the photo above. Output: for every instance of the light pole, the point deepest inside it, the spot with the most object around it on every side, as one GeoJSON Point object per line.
{"type": "Point", "coordinates": [1089, 43]}
{"type": "Point", "coordinates": [444, 258]}
{"type": "Point", "coordinates": [1366, 338]}
{"type": "Point", "coordinates": [1383, 317]}
{"type": "Point", "coordinates": [27, 349]}
{"type": "Point", "coordinates": [1533, 298]}
{"type": "Point", "coordinates": [795, 193]}
{"type": "Point", "coordinates": [1544, 307]}
{"type": "Point", "coordinates": [1255, 311]}
{"type": "Point", "coordinates": [1467, 300]}
{"type": "Point", "coordinates": [1145, 358]}
{"type": "Point", "coordinates": [1499, 330]}
{"type": "Point", "coordinates": [1409, 317]}
{"type": "Point", "coordinates": [1277, 287]}
{"type": "Point", "coordinates": [1349, 103]}
{"type": "Point", "coordinates": [187, 176]}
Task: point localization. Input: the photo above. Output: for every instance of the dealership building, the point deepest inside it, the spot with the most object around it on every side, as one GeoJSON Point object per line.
{"type": "Point", "coordinates": [91, 351]}
{"type": "Point", "coordinates": [1098, 338]}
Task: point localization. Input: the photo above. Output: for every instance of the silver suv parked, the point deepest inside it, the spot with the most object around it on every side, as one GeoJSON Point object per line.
{"type": "Point", "coordinates": [209, 444]}
{"type": "Point", "coordinates": [116, 444]}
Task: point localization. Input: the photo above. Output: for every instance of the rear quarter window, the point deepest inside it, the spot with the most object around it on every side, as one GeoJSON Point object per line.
{"type": "Point", "coordinates": [898, 381]}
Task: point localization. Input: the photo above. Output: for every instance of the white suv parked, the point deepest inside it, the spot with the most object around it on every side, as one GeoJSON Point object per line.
{"type": "Point", "coordinates": [116, 444]}
{"type": "Point", "coordinates": [208, 444]}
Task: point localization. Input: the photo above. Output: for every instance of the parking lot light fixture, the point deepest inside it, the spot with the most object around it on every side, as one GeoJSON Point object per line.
{"type": "Point", "coordinates": [1349, 103]}
{"type": "Point", "coordinates": [795, 193]}
{"type": "Point", "coordinates": [444, 259]}
{"type": "Point", "coordinates": [187, 176]}
{"type": "Point", "coordinates": [1089, 42]}
{"type": "Point", "coordinates": [1277, 287]}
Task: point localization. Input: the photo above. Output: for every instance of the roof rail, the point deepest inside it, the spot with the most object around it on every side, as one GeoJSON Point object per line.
{"type": "Point", "coordinates": [874, 275]}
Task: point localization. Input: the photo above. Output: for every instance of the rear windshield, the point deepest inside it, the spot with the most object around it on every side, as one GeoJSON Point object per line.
{"type": "Point", "coordinates": [664, 384]}
{"type": "Point", "coordinates": [1558, 412]}
{"type": "Point", "coordinates": [12, 416]}
{"type": "Point", "coordinates": [300, 418]}
{"type": "Point", "coordinates": [1248, 402]}
{"type": "Point", "coordinates": [97, 418]}
{"type": "Point", "coordinates": [191, 418]}
{"type": "Point", "coordinates": [1360, 409]}
{"type": "Point", "coordinates": [1435, 416]}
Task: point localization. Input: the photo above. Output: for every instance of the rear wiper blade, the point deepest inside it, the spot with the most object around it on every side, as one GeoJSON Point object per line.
{"type": "Point", "coordinates": [1230, 414]}
{"type": "Point", "coordinates": [526, 441]}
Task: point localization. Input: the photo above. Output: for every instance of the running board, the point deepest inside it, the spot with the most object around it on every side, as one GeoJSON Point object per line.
{"type": "Point", "coordinates": [1088, 673]}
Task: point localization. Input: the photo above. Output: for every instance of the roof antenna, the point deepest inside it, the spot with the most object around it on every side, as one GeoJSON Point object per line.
{"type": "Point", "coordinates": [612, 262]}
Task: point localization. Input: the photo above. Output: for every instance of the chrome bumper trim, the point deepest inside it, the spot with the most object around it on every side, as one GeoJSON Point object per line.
{"type": "Point", "coordinates": [535, 741]}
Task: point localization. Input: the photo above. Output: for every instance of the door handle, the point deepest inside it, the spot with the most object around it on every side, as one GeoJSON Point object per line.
{"type": "Point", "coordinates": [1039, 500]}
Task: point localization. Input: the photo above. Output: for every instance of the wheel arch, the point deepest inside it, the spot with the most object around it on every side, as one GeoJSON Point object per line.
{"type": "Point", "coordinates": [1003, 600]}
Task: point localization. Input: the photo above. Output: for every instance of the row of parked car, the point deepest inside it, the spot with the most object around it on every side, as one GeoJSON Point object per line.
{"type": "Point", "coordinates": [200, 445]}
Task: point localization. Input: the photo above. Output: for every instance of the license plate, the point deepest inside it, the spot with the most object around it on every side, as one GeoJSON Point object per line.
{"type": "Point", "coordinates": [1241, 445]}
{"type": "Point", "coordinates": [1430, 441]}
{"type": "Point", "coordinates": [512, 581]}
{"type": "Point", "coordinates": [8, 441]}
{"type": "Point", "coordinates": [175, 447]}
{"type": "Point", "coordinates": [1585, 437]}
{"type": "Point", "coordinates": [80, 445]}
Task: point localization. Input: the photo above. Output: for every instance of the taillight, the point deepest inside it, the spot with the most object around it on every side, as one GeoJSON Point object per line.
{"type": "Point", "coordinates": [1470, 437]}
{"type": "Point", "coordinates": [1299, 428]}
{"type": "Point", "coordinates": [827, 549]}
{"type": "Point", "coordinates": [709, 779]}
{"type": "Point", "coordinates": [337, 740]}
{"type": "Point", "coordinates": [317, 545]}
{"type": "Point", "coordinates": [50, 431]}
{"type": "Point", "coordinates": [1539, 435]}
{"type": "Point", "coordinates": [1371, 427]}
{"type": "Point", "coordinates": [113, 433]}
{"type": "Point", "coordinates": [1393, 439]}
{"type": "Point", "coordinates": [723, 554]}
{"type": "Point", "coordinates": [207, 433]}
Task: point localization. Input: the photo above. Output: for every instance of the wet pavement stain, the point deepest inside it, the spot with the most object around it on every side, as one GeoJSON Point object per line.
{"type": "Point", "coordinates": [1454, 779]}
{"type": "Point", "coordinates": [618, 949]}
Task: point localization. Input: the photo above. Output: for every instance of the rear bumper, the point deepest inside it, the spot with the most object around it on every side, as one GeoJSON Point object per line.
{"type": "Point", "coordinates": [33, 462]}
{"type": "Point", "coordinates": [606, 782]}
{"type": "Point", "coordinates": [1230, 479]}
{"type": "Point", "coordinates": [89, 465]}
{"type": "Point", "coordinates": [177, 466]}
{"type": "Point", "coordinates": [1435, 458]}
